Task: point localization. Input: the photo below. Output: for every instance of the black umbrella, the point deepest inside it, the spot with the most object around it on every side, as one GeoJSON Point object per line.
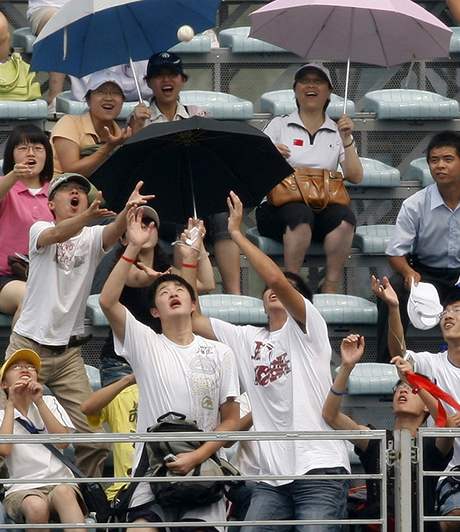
{"type": "Point", "coordinates": [191, 165]}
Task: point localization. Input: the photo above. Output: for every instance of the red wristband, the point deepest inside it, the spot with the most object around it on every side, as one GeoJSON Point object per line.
{"type": "Point", "coordinates": [185, 265]}
{"type": "Point", "coordinates": [127, 259]}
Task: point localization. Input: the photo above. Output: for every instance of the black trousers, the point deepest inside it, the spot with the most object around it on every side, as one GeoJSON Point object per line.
{"type": "Point", "coordinates": [443, 279]}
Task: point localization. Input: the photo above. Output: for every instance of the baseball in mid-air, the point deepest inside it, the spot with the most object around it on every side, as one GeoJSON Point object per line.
{"type": "Point", "coordinates": [185, 33]}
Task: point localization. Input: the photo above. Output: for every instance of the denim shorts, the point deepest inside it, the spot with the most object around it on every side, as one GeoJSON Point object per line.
{"type": "Point", "coordinates": [452, 500]}
{"type": "Point", "coordinates": [300, 499]}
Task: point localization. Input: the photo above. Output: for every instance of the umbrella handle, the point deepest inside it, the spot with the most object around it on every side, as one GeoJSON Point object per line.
{"type": "Point", "coordinates": [136, 81]}
{"type": "Point", "coordinates": [347, 81]}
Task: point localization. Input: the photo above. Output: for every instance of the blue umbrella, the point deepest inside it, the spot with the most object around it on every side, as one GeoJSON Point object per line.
{"type": "Point", "coordinates": [90, 35]}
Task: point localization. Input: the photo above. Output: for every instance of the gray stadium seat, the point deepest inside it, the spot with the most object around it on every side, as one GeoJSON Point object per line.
{"type": "Point", "coordinates": [273, 247]}
{"type": "Point", "coordinates": [372, 378]}
{"type": "Point", "coordinates": [23, 40]}
{"type": "Point", "coordinates": [454, 47]}
{"type": "Point", "coordinates": [13, 110]}
{"type": "Point", "coordinates": [409, 104]}
{"type": "Point", "coordinates": [240, 310]}
{"type": "Point", "coordinates": [373, 239]}
{"type": "Point", "coordinates": [200, 44]}
{"type": "Point", "coordinates": [345, 309]}
{"type": "Point", "coordinates": [219, 105]}
{"type": "Point", "coordinates": [282, 102]}
{"type": "Point", "coordinates": [240, 43]}
{"type": "Point", "coordinates": [94, 312]}
{"type": "Point", "coordinates": [67, 105]}
{"type": "Point", "coordinates": [419, 169]}
{"type": "Point", "coordinates": [377, 175]}
{"type": "Point", "coordinates": [93, 377]}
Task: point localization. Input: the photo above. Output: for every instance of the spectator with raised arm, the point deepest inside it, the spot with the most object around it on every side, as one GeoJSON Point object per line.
{"type": "Point", "coordinates": [285, 369]}
{"type": "Point", "coordinates": [442, 368]}
{"type": "Point", "coordinates": [27, 411]}
{"type": "Point", "coordinates": [63, 257]}
{"type": "Point", "coordinates": [425, 245]}
{"type": "Point", "coordinates": [27, 169]}
{"type": "Point", "coordinates": [175, 371]}
{"type": "Point", "coordinates": [83, 142]}
{"type": "Point", "coordinates": [410, 413]}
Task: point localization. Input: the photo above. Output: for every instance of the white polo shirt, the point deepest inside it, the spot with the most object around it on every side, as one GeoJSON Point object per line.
{"type": "Point", "coordinates": [182, 112]}
{"type": "Point", "coordinates": [34, 461]}
{"type": "Point", "coordinates": [324, 149]}
{"type": "Point", "coordinates": [35, 5]}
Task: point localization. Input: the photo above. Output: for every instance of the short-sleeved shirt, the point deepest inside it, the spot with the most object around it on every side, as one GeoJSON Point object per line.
{"type": "Point", "coordinates": [121, 416]}
{"type": "Point", "coordinates": [427, 228]}
{"type": "Point", "coordinates": [35, 5]}
{"type": "Point", "coordinates": [19, 210]}
{"type": "Point", "coordinates": [34, 461]}
{"type": "Point", "coordinates": [286, 374]}
{"type": "Point", "coordinates": [437, 367]}
{"type": "Point", "coordinates": [324, 149]}
{"type": "Point", "coordinates": [194, 380]}
{"type": "Point", "coordinates": [59, 283]}
{"type": "Point", "coordinates": [182, 112]}
{"type": "Point", "coordinates": [78, 129]}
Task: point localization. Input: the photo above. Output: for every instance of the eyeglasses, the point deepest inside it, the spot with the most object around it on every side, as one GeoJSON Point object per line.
{"type": "Point", "coordinates": [108, 92]}
{"type": "Point", "coordinates": [317, 82]}
{"type": "Point", "coordinates": [19, 367]}
{"type": "Point", "coordinates": [36, 148]}
{"type": "Point", "coordinates": [454, 310]}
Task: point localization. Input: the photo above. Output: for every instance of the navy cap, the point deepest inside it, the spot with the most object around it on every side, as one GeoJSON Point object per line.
{"type": "Point", "coordinates": [164, 61]}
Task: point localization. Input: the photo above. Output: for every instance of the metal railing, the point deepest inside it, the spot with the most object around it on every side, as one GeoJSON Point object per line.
{"type": "Point", "coordinates": [381, 476]}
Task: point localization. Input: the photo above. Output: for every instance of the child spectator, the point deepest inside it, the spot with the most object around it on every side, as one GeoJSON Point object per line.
{"type": "Point", "coordinates": [26, 406]}
{"type": "Point", "coordinates": [63, 257]}
{"type": "Point", "coordinates": [28, 167]}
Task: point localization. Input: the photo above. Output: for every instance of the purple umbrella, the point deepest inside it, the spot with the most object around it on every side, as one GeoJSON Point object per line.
{"type": "Point", "coordinates": [378, 32]}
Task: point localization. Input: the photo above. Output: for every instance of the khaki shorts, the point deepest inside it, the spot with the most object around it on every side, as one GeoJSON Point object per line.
{"type": "Point", "coordinates": [13, 502]}
{"type": "Point", "coordinates": [40, 17]}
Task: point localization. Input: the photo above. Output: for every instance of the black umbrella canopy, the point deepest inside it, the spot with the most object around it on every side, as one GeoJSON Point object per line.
{"type": "Point", "coordinates": [197, 157]}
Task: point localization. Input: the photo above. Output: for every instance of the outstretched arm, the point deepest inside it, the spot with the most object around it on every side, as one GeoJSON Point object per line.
{"type": "Point", "coordinates": [137, 235]}
{"type": "Point", "coordinates": [351, 349]}
{"type": "Point", "coordinates": [384, 291]}
{"type": "Point", "coordinates": [267, 270]}
{"type": "Point", "coordinates": [102, 397]}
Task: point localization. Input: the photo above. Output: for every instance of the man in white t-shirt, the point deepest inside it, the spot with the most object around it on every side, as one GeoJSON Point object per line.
{"type": "Point", "coordinates": [442, 368]}
{"type": "Point", "coordinates": [285, 369]}
{"type": "Point", "coordinates": [63, 257]}
{"type": "Point", "coordinates": [175, 371]}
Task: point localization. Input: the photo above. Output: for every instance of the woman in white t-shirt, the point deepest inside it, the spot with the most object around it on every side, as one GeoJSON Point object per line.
{"type": "Point", "coordinates": [309, 138]}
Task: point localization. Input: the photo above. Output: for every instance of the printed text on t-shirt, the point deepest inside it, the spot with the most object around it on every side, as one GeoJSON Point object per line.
{"type": "Point", "coordinates": [274, 369]}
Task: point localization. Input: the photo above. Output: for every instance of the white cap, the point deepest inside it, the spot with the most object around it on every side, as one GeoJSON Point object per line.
{"type": "Point", "coordinates": [100, 77]}
{"type": "Point", "coordinates": [314, 66]}
{"type": "Point", "coordinates": [423, 306]}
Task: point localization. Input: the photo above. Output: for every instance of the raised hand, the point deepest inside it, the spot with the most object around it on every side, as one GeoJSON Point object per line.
{"type": "Point", "coordinates": [21, 171]}
{"type": "Point", "coordinates": [138, 234]}
{"type": "Point", "coordinates": [384, 291]}
{"type": "Point", "coordinates": [190, 244]}
{"type": "Point", "coordinates": [150, 272]}
{"type": "Point", "coordinates": [235, 211]}
{"type": "Point", "coordinates": [352, 349]}
{"type": "Point", "coordinates": [403, 366]}
{"type": "Point", "coordinates": [36, 390]}
{"type": "Point", "coordinates": [118, 136]}
{"type": "Point", "coordinates": [136, 198]}
{"type": "Point", "coordinates": [345, 126]}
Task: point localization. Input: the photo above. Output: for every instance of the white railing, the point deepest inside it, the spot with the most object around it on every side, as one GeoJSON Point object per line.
{"type": "Point", "coordinates": [213, 436]}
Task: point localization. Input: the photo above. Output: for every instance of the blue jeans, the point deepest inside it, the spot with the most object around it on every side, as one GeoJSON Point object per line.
{"type": "Point", "coordinates": [301, 499]}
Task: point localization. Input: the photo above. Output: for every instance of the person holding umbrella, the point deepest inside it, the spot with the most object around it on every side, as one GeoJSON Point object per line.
{"type": "Point", "coordinates": [309, 138]}
{"type": "Point", "coordinates": [166, 77]}
{"type": "Point", "coordinates": [82, 142]}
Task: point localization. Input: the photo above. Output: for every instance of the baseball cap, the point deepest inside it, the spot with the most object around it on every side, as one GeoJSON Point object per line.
{"type": "Point", "coordinates": [21, 354]}
{"type": "Point", "coordinates": [66, 178]}
{"type": "Point", "coordinates": [100, 77]}
{"type": "Point", "coordinates": [164, 61]}
{"type": "Point", "coordinates": [151, 214]}
{"type": "Point", "coordinates": [314, 66]}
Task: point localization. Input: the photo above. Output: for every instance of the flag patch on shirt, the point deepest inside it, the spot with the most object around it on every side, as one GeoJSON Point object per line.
{"type": "Point", "coordinates": [298, 142]}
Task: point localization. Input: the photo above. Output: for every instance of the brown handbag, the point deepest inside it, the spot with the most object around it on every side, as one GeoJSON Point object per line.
{"type": "Point", "coordinates": [314, 186]}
